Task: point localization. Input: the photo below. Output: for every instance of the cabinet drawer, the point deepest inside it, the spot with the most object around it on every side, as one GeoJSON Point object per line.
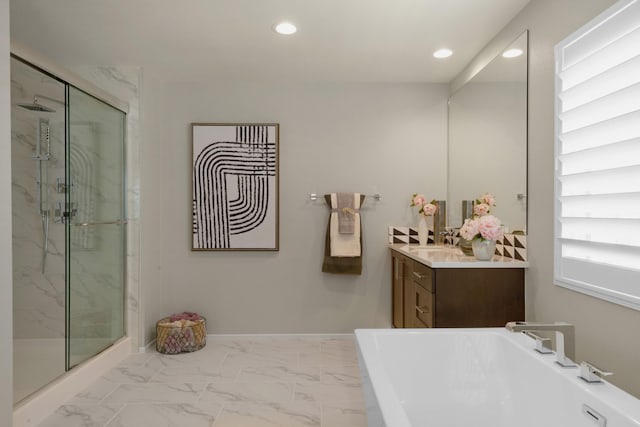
{"type": "Point", "coordinates": [424, 306]}
{"type": "Point", "coordinates": [423, 276]}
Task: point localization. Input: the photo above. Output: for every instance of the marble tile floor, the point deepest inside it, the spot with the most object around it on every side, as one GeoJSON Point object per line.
{"type": "Point", "coordinates": [256, 381]}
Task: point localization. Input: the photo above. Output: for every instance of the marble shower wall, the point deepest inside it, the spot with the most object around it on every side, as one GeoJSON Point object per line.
{"type": "Point", "coordinates": [124, 83]}
{"type": "Point", "coordinates": [38, 298]}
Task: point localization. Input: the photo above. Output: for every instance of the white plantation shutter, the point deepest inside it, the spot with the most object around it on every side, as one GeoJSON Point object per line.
{"type": "Point", "coordinates": [597, 170]}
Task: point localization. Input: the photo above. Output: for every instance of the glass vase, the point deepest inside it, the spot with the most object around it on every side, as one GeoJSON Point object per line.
{"type": "Point", "coordinates": [483, 249]}
{"type": "Point", "coordinates": [465, 246]}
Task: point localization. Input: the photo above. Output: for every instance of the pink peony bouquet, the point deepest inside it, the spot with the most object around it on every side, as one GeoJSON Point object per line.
{"type": "Point", "coordinates": [486, 227]}
{"type": "Point", "coordinates": [482, 225]}
{"type": "Point", "coordinates": [424, 208]}
{"type": "Point", "coordinates": [484, 204]}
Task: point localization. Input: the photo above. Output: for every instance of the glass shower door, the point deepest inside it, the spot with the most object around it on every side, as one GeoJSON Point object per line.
{"type": "Point", "coordinates": [95, 217]}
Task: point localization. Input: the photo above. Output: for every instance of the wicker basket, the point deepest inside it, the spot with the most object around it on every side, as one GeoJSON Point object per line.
{"type": "Point", "coordinates": [173, 339]}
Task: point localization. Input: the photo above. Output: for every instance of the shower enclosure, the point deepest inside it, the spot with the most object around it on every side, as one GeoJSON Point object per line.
{"type": "Point", "coordinates": [69, 226]}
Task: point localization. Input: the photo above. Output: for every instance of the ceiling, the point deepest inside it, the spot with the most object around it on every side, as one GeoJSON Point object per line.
{"type": "Point", "coordinates": [337, 40]}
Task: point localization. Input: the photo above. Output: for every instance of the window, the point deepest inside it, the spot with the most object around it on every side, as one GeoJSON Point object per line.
{"type": "Point", "coordinates": [597, 146]}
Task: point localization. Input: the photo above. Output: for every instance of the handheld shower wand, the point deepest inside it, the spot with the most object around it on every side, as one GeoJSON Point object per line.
{"type": "Point", "coordinates": [43, 136]}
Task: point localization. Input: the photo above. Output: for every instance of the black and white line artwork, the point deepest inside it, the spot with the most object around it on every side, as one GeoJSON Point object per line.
{"type": "Point", "coordinates": [235, 186]}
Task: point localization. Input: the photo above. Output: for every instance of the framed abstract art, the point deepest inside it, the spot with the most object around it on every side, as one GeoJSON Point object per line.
{"type": "Point", "coordinates": [235, 187]}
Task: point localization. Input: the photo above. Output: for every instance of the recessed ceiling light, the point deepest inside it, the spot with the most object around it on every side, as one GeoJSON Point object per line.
{"type": "Point", "coordinates": [512, 53]}
{"type": "Point", "coordinates": [285, 28]}
{"type": "Point", "coordinates": [442, 53]}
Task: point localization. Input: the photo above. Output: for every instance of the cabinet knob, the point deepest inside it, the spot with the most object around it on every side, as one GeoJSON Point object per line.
{"type": "Point", "coordinates": [418, 275]}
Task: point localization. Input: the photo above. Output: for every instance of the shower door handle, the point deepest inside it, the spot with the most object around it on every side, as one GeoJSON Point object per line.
{"type": "Point", "coordinates": [91, 224]}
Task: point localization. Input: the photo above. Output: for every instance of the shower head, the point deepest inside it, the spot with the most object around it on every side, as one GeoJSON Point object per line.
{"type": "Point", "coordinates": [35, 106]}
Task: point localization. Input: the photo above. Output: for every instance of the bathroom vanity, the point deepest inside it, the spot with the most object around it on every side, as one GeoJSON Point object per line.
{"type": "Point", "coordinates": [438, 287]}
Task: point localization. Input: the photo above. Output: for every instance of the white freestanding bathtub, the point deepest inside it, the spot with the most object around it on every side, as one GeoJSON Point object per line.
{"type": "Point", "coordinates": [487, 377]}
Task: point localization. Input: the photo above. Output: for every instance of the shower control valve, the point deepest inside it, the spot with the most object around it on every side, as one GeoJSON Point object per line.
{"type": "Point", "coordinates": [62, 186]}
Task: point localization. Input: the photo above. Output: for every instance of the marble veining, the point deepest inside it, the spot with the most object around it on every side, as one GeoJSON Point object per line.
{"type": "Point", "coordinates": [82, 416]}
{"type": "Point", "coordinates": [280, 373]}
{"type": "Point", "coordinates": [247, 391]}
{"type": "Point", "coordinates": [167, 415]}
{"type": "Point", "coordinates": [155, 393]}
{"type": "Point", "coordinates": [295, 414]}
{"type": "Point", "coordinates": [239, 381]}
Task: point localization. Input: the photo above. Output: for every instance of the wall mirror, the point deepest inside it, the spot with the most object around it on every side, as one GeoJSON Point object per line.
{"type": "Point", "coordinates": [488, 138]}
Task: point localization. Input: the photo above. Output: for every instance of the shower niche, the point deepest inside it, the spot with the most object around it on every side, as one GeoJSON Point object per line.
{"type": "Point", "coordinates": [69, 226]}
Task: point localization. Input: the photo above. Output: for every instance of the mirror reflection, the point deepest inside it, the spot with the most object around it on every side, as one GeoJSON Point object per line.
{"type": "Point", "coordinates": [488, 138]}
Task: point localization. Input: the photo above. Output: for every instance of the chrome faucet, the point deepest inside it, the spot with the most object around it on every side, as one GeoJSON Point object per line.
{"type": "Point", "coordinates": [565, 340]}
{"type": "Point", "coordinates": [592, 374]}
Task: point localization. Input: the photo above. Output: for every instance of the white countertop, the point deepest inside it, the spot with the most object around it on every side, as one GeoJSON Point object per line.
{"type": "Point", "coordinates": [447, 257]}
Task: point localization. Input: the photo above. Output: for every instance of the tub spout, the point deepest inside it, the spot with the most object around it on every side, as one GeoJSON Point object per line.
{"type": "Point", "coordinates": [565, 338]}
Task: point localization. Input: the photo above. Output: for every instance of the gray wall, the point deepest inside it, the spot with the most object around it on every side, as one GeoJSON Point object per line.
{"type": "Point", "coordinates": [386, 138]}
{"type": "Point", "coordinates": [606, 334]}
{"type": "Point", "coordinates": [6, 334]}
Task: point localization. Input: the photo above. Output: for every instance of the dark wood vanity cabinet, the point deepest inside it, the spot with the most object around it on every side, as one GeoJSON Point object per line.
{"type": "Point", "coordinates": [401, 271]}
{"type": "Point", "coordinates": [425, 297]}
{"type": "Point", "coordinates": [397, 289]}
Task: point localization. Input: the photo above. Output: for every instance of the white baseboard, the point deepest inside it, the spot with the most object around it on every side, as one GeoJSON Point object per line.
{"type": "Point", "coordinates": [147, 348]}
{"type": "Point", "coordinates": [280, 335]}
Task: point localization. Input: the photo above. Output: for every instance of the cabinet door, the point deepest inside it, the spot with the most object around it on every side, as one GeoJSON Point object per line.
{"type": "Point", "coordinates": [478, 297]}
{"type": "Point", "coordinates": [397, 290]}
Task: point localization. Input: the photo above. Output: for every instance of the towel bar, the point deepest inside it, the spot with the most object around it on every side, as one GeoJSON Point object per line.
{"type": "Point", "coordinates": [314, 196]}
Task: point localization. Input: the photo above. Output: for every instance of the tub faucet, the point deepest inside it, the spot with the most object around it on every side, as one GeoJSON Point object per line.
{"type": "Point", "coordinates": [565, 340]}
